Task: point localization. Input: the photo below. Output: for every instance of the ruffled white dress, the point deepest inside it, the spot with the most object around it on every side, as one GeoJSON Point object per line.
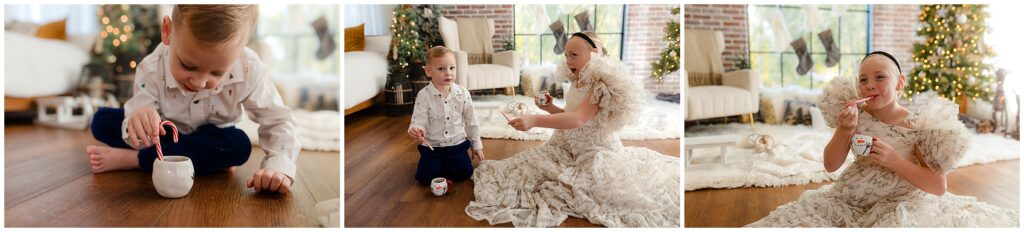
{"type": "Point", "coordinates": [584, 172]}
{"type": "Point", "coordinates": [869, 195]}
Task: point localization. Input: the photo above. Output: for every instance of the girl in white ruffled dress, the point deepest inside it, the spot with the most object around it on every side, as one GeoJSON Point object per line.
{"type": "Point", "coordinates": [583, 170]}
{"type": "Point", "coordinates": [902, 182]}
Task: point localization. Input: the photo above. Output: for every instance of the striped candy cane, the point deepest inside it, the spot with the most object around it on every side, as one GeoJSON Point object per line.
{"type": "Point", "coordinates": [174, 130]}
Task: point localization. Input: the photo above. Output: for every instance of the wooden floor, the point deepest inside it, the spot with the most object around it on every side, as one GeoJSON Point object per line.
{"type": "Point", "coordinates": [48, 183]}
{"type": "Point", "coordinates": [380, 161]}
{"type": "Point", "coordinates": [995, 183]}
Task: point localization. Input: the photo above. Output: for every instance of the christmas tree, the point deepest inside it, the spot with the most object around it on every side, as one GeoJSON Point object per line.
{"type": "Point", "coordinates": [429, 29]}
{"type": "Point", "coordinates": [406, 45]}
{"type": "Point", "coordinates": [669, 58]}
{"type": "Point", "coordinates": [127, 33]}
{"type": "Point", "coordinates": [950, 61]}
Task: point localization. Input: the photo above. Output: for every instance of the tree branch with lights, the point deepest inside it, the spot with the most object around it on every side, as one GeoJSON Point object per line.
{"type": "Point", "coordinates": [668, 60]}
{"type": "Point", "coordinates": [951, 59]}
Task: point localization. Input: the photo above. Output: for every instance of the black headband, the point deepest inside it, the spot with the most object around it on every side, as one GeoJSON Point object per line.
{"type": "Point", "coordinates": [887, 55]}
{"type": "Point", "coordinates": [585, 37]}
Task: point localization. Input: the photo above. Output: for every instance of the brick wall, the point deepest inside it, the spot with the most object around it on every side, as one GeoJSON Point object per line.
{"type": "Point", "coordinates": [501, 14]}
{"type": "Point", "coordinates": [731, 20]}
{"type": "Point", "coordinates": [645, 31]}
{"type": "Point", "coordinates": [893, 31]}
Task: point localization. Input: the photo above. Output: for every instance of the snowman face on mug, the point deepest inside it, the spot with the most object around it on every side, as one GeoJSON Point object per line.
{"type": "Point", "coordinates": [439, 186]}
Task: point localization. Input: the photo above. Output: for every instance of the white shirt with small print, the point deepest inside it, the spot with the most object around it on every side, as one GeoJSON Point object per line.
{"type": "Point", "coordinates": [247, 84]}
{"type": "Point", "coordinates": [446, 121]}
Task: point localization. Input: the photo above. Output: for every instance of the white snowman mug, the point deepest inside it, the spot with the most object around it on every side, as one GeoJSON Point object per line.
{"type": "Point", "coordinates": [173, 176]}
{"type": "Point", "coordinates": [542, 98]}
{"type": "Point", "coordinates": [439, 186]}
{"type": "Point", "coordinates": [861, 144]}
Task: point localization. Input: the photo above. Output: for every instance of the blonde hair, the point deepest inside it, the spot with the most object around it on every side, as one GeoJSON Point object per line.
{"type": "Point", "coordinates": [436, 52]}
{"type": "Point", "coordinates": [217, 25]}
{"type": "Point", "coordinates": [596, 39]}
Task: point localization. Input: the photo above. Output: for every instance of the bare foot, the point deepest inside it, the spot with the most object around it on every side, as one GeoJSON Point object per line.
{"type": "Point", "coordinates": [105, 159]}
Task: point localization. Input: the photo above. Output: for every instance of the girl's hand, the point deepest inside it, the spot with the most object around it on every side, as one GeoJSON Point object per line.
{"type": "Point", "coordinates": [883, 154]}
{"type": "Point", "coordinates": [523, 123]}
{"type": "Point", "coordinates": [848, 118]}
{"type": "Point", "coordinates": [269, 180]}
{"type": "Point", "coordinates": [144, 127]}
{"type": "Point", "coordinates": [478, 154]}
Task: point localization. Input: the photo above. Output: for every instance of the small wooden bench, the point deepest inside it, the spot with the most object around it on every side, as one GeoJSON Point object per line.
{"type": "Point", "coordinates": [721, 141]}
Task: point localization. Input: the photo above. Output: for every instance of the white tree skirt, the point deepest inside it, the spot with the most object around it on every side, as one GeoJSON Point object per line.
{"type": "Point", "coordinates": [660, 120]}
{"type": "Point", "coordinates": [797, 157]}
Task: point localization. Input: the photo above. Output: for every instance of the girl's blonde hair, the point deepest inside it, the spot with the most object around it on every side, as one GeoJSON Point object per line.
{"type": "Point", "coordinates": [217, 25]}
{"type": "Point", "coordinates": [592, 37]}
{"type": "Point", "coordinates": [436, 52]}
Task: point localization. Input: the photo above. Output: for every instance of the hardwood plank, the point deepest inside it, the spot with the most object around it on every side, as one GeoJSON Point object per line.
{"type": "Point", "coordinates": [28, 156]}
{"type": "Point", "coordinates": [119, 199]}
{"type": "Point", "coordinates": [127, 198]}
{"type": "Point", "coordinates": [380, 161]}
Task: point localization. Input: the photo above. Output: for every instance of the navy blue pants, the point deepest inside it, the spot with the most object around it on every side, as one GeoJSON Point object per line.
{"type": "Point", "coordinates": [210, 148]}
{"type": "Point", "coordinates": [451, 162]}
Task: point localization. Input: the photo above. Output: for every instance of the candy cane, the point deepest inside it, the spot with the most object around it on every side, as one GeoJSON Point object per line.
{"type": "Point", "coordinates": [174, 130]}
{"type": "Point", "coordinates": [426, 143]}
{"type": "Point", "coordinates": [858, 101]}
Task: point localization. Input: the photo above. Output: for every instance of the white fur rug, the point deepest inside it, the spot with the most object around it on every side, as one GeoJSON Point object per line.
{"type": "Point", "coordinates": [318, 130]}
{"type": "Point", "coordinates": [660, 120]}
{"type": "Point", "coordinates": [797, 157]}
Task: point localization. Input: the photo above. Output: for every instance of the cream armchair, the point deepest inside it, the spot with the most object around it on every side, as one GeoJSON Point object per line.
{"type": "Point", "coordinates": [711, 92]}
{"type": "Point", "coordinates": [479, 67]}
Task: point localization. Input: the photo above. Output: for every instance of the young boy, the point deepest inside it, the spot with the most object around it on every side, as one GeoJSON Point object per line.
{"type": "Point", "coordinates": [443, 118]}
{"type": "Point", "coordinates": [199, 78]}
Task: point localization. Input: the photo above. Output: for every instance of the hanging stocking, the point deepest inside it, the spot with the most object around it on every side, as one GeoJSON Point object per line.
{"type": "Point", "coordinates": [831, 50]}
{"type": "Point", "coordinates": [800, 46]}
{"type": "Point", "coordinates": [559, 32]}
{"type": "Point", "coordinates": [583, 20]}
{"type": "Point", "coordinates": [326, 38]}
{"type": "Point", "coordinates": [774, 18]}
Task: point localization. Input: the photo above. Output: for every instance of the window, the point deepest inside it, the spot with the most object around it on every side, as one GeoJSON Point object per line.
{"type": "Point", "coordinates": [290, 40]}
{"type": "Point", "coordinates": [778, 67]}
{"type": "Point", "coordinates": [533, 38]}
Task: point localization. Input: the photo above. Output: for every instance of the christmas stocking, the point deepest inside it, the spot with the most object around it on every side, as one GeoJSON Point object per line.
{"type": "Point", "coordinates": [326, 38]}
{"type": "Point", "coordinates": [559, 32]}
{"type": "Point", "coordinates": [583, 20]}
{"type": "Point", "coordinates": [800, 46]}
{"type": "Point", "coordinates": [831, 50]}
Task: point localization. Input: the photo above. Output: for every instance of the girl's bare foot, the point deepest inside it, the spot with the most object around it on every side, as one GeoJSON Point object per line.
{"type": "Point", "coordinates": [105, 159]}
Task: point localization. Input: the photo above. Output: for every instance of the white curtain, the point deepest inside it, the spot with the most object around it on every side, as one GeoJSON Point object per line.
{"type": "Point", "coordinates": [1003, 23]}
{"type": "Point", "coordinates": [376, 17]}
{"type": "Point", "coordinates": [82, 19]}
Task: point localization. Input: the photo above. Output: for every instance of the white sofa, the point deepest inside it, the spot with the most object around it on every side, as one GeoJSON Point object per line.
{"type": "Point", "coordinates": [366, 73]}
{"type": "Point", "coordinates": [720, 93]}
{"type": "Point", "coordinates": [479, 67]}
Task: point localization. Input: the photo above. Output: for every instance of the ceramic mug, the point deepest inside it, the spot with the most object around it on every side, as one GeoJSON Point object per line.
{"type": "Point", "coordinates": [861, 144]}
{"type": "Point", "coordinates": [439, 186]}
{"type": "Point", "coordinates": [542, 98]}
{"type": "Point", "coordinates": [173, 176]}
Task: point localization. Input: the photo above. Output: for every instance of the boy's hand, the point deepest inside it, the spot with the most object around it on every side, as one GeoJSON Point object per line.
{"type": "Point", "coordinates": [478, 154]}
{"type": "Point", "coordinates": [144, 126]}
{"type": "Point", "coordinates": [523, 123]}
{"type": "Point", "coordinates": [416, 132]}
{"type": "Point", "coordinates": [269, 180]}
